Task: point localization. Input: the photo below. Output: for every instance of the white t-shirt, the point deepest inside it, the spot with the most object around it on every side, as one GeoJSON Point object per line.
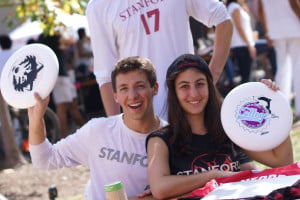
{"type": "Point", "coordinates": [111, 150]}
{"type": "Point", "coordinates": [282, 22]}
{"type": "Point", "coordinates": [156, 29]}
{"type": "Point", "coordinates": [245, 20]}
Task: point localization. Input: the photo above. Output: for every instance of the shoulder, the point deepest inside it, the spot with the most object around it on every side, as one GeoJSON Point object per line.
{"type": "Point", "coordinates": [96, 7]}
{"type": "Point", "coordinates": [233, 6]}
{"type": "Point", "coordinates": [96, 3]}
{"type": "Point", "coordinates": [162, 133]}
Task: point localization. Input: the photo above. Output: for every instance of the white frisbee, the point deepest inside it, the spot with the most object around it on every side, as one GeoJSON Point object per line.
{"type": "Point", "coordinates": [32, 68]}
{"type": "Point", "coordinates": [255, 117]}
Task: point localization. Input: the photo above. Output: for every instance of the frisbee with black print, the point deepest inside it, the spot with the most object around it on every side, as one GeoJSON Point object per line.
{"type": "Point", "coordinates": [255, 117]}
{"type": "Point", "coordinates": [32, 68]}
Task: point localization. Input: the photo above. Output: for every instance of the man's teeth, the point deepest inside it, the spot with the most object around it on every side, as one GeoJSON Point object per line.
{"type": "Point", "coordinates": [135, 104]}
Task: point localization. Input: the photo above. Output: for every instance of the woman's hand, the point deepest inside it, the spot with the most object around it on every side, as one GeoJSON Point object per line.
{"type": "Point", "coordinates": [271, 84]}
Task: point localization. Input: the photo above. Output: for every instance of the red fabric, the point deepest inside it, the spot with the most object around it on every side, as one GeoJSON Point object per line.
{"type": "Point", "coordinates": [293, 169]}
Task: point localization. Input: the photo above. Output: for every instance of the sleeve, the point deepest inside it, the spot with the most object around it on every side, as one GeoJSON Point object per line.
{"type": "Point", "coordinates": [232, 7]}
{"type": "Point", "coordinates": [208, 12]}
{"type": "Point", "coordinates": [103, 41]}
{"type": "Point", "coordinates": [70, 151]}
{"type": "Point", "coordinates": [157, 134]}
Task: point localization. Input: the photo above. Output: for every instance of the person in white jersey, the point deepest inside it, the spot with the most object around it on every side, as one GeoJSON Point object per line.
{"type": "Point", "coordinates": [156, 29]}
{"type": "Point", "coordinates": [281, 22]}
{"type": "Point", "coordinates": [242, 43]}
{"type": "Point", "coordinates": [113, 148]}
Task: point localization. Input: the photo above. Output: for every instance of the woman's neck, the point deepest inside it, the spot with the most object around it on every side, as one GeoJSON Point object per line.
{"type": "Point", "coordinates": [197, 124]}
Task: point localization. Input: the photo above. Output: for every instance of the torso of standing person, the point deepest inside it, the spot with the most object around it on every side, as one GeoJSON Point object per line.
{"type": "Point", "coordinates": [245, 21]}
{"type": "Point", "coordinates": [282, 22]}
{"type": "Point", "coordinates": [86, 49]}
{"type": "Point", "coordinates": [157, 29]}
{"type": "Point", "coordinates": [54, 43]}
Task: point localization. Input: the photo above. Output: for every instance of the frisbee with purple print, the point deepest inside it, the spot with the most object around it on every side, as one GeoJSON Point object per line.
{"type": "Point", "coordinates": [255, 117]}
{"type": "Point", "coordinates": [32, 68]}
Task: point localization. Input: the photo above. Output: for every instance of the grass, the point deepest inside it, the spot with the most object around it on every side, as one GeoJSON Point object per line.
{"type": "Point", "coordinates": [295, 135]}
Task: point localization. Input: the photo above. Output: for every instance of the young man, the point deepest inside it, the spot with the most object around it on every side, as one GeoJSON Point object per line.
{"type": "Point", "coordinates": [156, 29]}
{"type": "Point", "coordinates": [113, 148]}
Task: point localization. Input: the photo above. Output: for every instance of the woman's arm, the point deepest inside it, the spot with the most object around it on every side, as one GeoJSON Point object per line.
{"type": "Point", "coordinates": [162, 184]}
{"type": "Point", "coordinates": [280, 156]}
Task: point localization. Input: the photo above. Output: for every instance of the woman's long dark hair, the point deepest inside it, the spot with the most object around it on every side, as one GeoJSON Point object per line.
{"type": "Point", "coordinates": [178, 124]}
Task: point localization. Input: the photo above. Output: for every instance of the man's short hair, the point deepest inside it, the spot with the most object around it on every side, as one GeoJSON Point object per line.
{"type": "Point", "coordinates": [5, 42]}
{"type": "Point", "coordinates": [131, 64]}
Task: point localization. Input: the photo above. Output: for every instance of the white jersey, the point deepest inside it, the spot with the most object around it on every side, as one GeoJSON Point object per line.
{"type": "Point", "coordinates": [111, 150]}
{"type": "Point", "coordinates": [245, 21]}
{"type": "Point", "coordinates": [156, 29]}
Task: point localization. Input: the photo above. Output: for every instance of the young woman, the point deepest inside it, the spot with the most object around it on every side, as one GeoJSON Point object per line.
{"type": "Point", "coordinates": [194, 142]}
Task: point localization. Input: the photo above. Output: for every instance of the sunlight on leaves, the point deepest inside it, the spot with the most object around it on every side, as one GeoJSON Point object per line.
{"type": "Point", "coordinates": [45, 12]}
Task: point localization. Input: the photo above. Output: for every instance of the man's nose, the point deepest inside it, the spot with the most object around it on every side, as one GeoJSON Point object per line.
{"type": "Point", "coordinates": [132, 93]}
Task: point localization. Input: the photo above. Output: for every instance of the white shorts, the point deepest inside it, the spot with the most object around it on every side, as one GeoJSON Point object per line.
{"type": "Point", "coordinates": [64, 90]}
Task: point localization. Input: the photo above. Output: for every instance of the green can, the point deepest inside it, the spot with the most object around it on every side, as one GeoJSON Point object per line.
{"type": "Point", "coordinates": [115, 191]}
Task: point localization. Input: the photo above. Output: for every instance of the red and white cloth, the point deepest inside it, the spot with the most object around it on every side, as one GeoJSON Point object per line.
{"type": "Point", "coordinates": [290, 192]}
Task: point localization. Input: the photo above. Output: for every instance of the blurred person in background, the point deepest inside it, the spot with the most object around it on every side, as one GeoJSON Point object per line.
{"type": "Point", "coordinates": [84, 63]}
{"type": "Point", "coordinates": [242, 43]}
{"type": "Point", "coordinates": [281, 23]}
{"type": "Point", "coordinates": [64, 92]}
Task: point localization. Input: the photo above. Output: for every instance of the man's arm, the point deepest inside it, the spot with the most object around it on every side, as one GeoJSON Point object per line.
{"type": "Point", "coordinates": [295, 5]}
{"type": "Point", "coordinates": [111, 107]}
{"type": "Point", "coordinates": [263, 21]}
{"type": "Point", "coordinates": [222, 40]}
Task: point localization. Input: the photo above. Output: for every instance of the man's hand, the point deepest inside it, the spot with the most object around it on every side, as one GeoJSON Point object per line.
{"type": "Point", "coordinates": [37, 129]}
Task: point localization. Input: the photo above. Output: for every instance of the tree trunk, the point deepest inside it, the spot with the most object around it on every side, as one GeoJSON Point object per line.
{"type": "Point", "coordinates": [11, 155]}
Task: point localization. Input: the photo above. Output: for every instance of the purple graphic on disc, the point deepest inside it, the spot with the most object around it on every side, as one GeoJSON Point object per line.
{"type": "Point", "coordinates": [253, 115]}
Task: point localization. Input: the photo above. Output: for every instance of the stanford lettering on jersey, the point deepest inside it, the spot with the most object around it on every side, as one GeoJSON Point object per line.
{"type": "Point", "coordinates": [123, 157]}
{"type": "Point", "coordinates": [136, 7]}
{"type": "Point", "coordinates": [232, 166]}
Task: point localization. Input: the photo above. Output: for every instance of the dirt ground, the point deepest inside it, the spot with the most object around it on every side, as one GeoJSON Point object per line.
{"type": "Point", "coordinates": [27, 183]}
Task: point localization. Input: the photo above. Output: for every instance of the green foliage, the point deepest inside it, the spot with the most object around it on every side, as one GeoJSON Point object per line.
{"type": "Point", "coordinates": [45, 12]}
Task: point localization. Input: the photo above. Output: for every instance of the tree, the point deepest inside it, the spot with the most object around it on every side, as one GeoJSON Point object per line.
{"type": "Point", "coordinates": [44, 11]}
{"type": "Point", "coordinates": [12, 155]}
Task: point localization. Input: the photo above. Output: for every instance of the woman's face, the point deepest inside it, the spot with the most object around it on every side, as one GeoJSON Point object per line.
{"type": "Point", "coordinates": [192, 91]}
